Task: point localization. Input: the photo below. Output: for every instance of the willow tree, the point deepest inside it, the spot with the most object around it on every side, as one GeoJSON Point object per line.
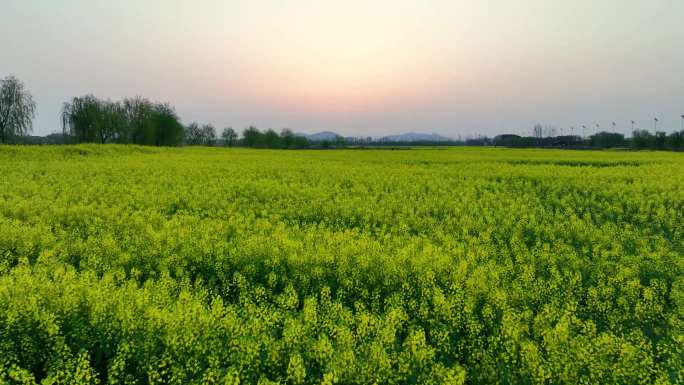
{"type": "Point", "coordinates": [83, 119]}
{"type": "Point", "coordinates": [139, 115]}
{"type": "Point", "coordinates": [137, 120]}
{"type": "Point", "coordinates": [17, 109]}
{"type": "Point", "coordinates": [168, 129]}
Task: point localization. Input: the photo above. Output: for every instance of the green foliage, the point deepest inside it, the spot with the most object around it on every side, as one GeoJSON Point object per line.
{"type": "Point", "coordinates": [607, 139]}
{"type": "Point", "coordinates": [252, 137]}
{"type": "Point", "coordinates": [89, 119]}
{"type": "Point", "coordinates": [140, 265]}
{"type": "Point", "coordinates": [642, 139]}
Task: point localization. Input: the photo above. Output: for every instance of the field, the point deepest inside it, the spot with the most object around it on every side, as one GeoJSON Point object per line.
{"type": "Point", "coordinates": [137, 265]}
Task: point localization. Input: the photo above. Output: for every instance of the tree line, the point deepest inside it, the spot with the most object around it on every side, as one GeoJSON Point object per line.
{"type": "Point", "coordinates": [135, 120]}
{"type": "Point", "coordinates": [640, 140]}
{"type": "Point", "coordinates": [88, 119]}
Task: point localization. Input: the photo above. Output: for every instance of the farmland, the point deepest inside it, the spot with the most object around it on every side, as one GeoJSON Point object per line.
{"type": "Point", "coordinates": [140, 265]}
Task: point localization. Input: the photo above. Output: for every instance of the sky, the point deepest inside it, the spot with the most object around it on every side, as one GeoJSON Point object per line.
{"type": "Point", "coordinates": [359, 68]}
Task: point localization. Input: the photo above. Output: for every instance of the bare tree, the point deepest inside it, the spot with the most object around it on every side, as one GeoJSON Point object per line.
{"type": "Point", "coordinates": [17, 109]}
{"type": "Point", "coordinates": [229, 136]}
{"type": "Point", "coordinates": [538, 131]}
{"type": "Point", "coordinates": [193, 134]}
{"type": "Point", "coordinates": [200, 136]}
{"type": "Point", "coordinates": [208, 135]}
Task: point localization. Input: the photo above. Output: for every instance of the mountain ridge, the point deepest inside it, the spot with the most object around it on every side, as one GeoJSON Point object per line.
{"type": "Point", "coordinates": [405, 137]}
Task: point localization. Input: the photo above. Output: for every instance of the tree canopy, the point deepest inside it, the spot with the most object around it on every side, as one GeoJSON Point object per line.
{"type": "Point", "coordinates": [17, 109]}
{"type": "Point", "coordinates": [133, 120]}
{"type": "Point", "coordinates": [197, 135]}
{"type": "Point", "coordinates": [229, 136]}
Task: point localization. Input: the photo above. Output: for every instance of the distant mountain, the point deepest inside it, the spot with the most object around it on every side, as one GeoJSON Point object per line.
{"type": "Point", "coordinates": [408, 137]}
{"type": "Point", "coordinates": [415, 137]}
{"type": "Point", "coordinates": [321, 136]}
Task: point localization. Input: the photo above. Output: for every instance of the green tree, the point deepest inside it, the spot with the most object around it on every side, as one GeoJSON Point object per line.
{"type": "Point", "coordinates": [675, 140]}
{"type": "Point", "coordinates": [607, 139]}
{"type": "Point", "coordinates": [138, 120]}
{"type": "Point", "coordinates": [252, 137]}
{"type": "Point", "coordinates": [642, 139]}
{"type": "Point", "coordinates": [287, 137]}
{"type": "Point", "coordinates": [17, 109]}
{"type": "Point", "coordinates": [168, 129]}
{"type": "Point", "coordinates": [271, 139]}
{"type": "Point", "coordinates": [113, 122]}
{"type": "Point", "coordinates": [300, 142]}
{"type": "Point", "coordinates": [340, 141]}
{"type": "Point", "coordinates": [82, 119]}
{"type": "Point", "coordinates": [141, 128]}
{"type": "Point", "coordinates": [660, 140]}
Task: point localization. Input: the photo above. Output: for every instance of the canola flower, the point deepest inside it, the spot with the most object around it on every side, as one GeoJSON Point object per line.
{"type": "Point", "coordinates": [137, 265]}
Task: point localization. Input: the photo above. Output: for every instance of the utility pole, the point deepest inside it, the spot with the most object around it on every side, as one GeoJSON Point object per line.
{"type": "Point", "coordinates": [632, 126]}
{"type": "Point", "coordinates": [682, 116]}
{"type": "Point", "coordinates": [655, 124]}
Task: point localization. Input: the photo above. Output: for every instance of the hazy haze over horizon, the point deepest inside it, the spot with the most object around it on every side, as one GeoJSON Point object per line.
{"type": "Point", "coordinates": [358, 67]}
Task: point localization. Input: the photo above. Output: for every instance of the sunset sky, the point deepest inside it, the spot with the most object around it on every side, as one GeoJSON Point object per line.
{"type": "Point", "coordinates": [358, 67]}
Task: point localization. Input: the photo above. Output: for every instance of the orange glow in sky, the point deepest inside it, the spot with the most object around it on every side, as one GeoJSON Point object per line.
{"type": "Point", "coordinates": [361, 67]}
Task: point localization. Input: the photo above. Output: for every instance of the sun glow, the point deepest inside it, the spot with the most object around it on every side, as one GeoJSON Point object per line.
{"type": "Point", "coordinates": [454, 66]}
{"type": "Point", "coordinates": [341, 59]}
